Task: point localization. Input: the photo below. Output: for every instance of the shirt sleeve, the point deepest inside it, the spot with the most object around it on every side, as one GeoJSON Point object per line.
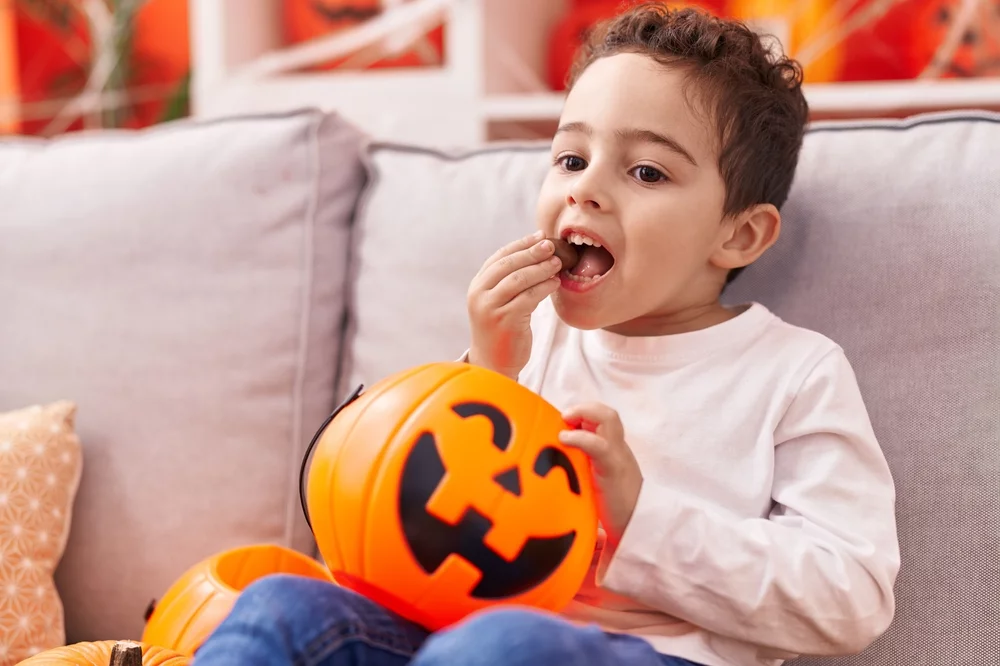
{"type": "Point", "coordinates": [816, 575]}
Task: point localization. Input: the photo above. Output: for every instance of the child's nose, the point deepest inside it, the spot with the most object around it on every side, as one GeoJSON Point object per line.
{"type": "Point", "coordinates": [587, 194]}
{"type": "Point", "coordinates": [572, 200]}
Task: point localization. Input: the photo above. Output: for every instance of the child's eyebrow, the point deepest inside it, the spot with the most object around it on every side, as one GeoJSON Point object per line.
{"type": "Point", "coordinates": [635, 135]}
{"type": "Point", "coordinates": [649, 136]}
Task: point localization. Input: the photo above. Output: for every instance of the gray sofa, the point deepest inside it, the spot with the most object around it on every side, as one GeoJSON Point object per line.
{"type": "Point", "coordinates": [205, 291]}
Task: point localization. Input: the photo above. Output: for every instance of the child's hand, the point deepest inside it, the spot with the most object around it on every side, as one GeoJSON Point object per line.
{"type": "Point", "coordinates": [502, 296]}
{"type": "Point", "coordinates": [599, 433]}
{"type": "Point", "coordinates": [602, 539]}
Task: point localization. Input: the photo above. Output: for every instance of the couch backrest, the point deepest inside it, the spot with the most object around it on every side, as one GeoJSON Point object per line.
{"type": "Point", "coordinates": [183, 286]}
{"type": "Point", "coordinates": [891, 246]}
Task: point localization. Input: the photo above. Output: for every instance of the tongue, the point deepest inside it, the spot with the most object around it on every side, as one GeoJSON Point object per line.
{"type": "Point", "coordinates": [593, 261]}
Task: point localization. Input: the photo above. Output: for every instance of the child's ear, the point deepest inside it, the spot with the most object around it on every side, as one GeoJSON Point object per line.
{"type": "Point", "coordinates": [746, 236]}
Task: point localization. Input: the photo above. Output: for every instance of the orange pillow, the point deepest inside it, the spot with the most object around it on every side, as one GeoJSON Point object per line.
{"type": "Point", "coordinates": [40, 465]}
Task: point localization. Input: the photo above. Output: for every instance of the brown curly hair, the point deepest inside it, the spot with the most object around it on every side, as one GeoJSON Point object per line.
{"type": "Point", "coordinates": [754, 96]}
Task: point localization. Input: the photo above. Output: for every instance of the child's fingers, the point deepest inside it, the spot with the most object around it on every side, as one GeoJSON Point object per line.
{"type": "Point", "coordinates": [595, 412]}
{"type": "Point", "coordinates": [513, 247]}
{"type": "Point", "coordinates": [526, 302]}
{"type": "Point", "coordinates": [514, 266]}
{"type": "Point", "coordinates": [522, 243]}
{"type": "Point", "coordinates": [590, 443]}
{"type": "Point", "coordinates": [522, 280]}
{"type": "Point", "coordinates": [594, 416]}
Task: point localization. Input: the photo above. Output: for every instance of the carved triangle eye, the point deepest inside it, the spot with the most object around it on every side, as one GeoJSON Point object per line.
{"type": "Point", "coordinates": [509, 480]}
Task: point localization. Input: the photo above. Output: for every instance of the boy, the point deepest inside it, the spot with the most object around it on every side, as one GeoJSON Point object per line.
{"type": "Point", "coordinates": [747, 510]}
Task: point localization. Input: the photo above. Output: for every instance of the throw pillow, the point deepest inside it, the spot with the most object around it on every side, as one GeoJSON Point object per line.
{"type": "Point", "coordinates": [40, 464]}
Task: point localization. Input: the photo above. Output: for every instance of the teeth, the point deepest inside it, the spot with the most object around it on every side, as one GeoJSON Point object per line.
{"type": "Point", "coordinates": [580, 239]}
{"type": "Point", "coordinates": [580, 278]}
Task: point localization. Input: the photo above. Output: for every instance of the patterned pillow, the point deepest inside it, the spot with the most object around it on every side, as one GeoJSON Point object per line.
{"type": "Point", "coordinates": [40, 465]}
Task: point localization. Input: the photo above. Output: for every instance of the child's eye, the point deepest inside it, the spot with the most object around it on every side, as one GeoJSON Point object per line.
{"type": "Point", "coordinates": [572, 163]}
{"type": "Point", "coordinates": [648, 174]}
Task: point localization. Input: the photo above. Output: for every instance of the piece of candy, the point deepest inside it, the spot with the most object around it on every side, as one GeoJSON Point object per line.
{"type": "Point", "coordinates": [566, 253]}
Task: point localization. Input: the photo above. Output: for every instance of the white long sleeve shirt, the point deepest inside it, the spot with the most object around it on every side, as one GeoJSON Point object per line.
{"type": "Point", "coordinates": [765, 527]}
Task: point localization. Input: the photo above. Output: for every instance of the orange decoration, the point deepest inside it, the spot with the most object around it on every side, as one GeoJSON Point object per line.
{"type": "Point", "coordinates": [880, 50]}
{"type": "Point", "coordinates": [794, 22]}
{"type": "Point", "coordinates": [572, 31]}
{"type": "Point", "coordinates": [903, 42]}
{"type": "Point", "coordinates": [53, 51]}
{"type": "Point", "coordinates": [443, 490]}
{"type": "Point", "coordinates": [54, 54]}
{"type": "Point", "coordinates": [978, 51]}
{"type": "Point", "coordinates": [163, 42]}
{"type": "Point", "coordinates": [204, 595]}
{"type": "Point", "coordinates": [10, 88]}
{"type": "Point", "coordinates": [107, 653]}
{"type": "Point", "coordinates": [160, 59]}
{"type": "Point", "coordinates": [308, 19]}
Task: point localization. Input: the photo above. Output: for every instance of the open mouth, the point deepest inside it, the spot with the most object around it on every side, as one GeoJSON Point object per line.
{"type": "Point", "coordinates": [594, 259]}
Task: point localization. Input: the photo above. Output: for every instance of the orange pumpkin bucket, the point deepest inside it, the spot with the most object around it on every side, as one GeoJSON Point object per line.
{"type": "Point", "coordinates": [444, 489]}
{"type": "Point", "coordinates": [204, 595]}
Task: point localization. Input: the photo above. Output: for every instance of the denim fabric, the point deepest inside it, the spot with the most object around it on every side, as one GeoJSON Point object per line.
{"type": "Point", "coordinates": [292, 621]}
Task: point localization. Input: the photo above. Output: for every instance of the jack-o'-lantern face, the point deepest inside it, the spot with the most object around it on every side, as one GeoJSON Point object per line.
{"type": "Point", "coordinates": [483, 502]}
{"type": "Point", "coordinates": [443, 490]}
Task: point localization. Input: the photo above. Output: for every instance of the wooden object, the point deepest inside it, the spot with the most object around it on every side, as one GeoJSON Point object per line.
{"type": "Point", "coordinates": [126, 653]}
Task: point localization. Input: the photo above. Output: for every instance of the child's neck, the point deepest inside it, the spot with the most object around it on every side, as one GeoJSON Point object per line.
{"type": "Point", "coordinates": [684, 320]}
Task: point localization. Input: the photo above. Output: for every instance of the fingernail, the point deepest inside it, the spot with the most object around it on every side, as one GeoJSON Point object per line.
{"type": "Point", "coordinates": [546, 246]}
{"type": "Point", "coordinates": [555, 261]}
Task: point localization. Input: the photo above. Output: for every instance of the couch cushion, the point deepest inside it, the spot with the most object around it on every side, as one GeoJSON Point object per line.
{"type": "Point", "coordinates": [183, 285]}
{"type": "Point", "coordinates": [424, 228]}
{"type": "Point", "coordinates": [890, 246]}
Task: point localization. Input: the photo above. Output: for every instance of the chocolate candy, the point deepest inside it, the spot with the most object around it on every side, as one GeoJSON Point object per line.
{"type": "Point", "coordinates": [566, 253]}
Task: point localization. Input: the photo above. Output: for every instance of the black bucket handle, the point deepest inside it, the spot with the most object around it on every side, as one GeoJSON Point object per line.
{"type": "Point", "coordinates": [312, 445]}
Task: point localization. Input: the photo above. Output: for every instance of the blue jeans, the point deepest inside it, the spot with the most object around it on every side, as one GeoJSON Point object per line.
{"type": "Point", "coordinates": [287, 620]}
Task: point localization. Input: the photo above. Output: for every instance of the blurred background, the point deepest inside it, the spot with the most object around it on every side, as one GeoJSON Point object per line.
{"type": "Point", "coordinates": [443, 71]}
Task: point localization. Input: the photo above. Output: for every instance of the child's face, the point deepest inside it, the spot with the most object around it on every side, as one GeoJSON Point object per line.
{"type": "Point", "coordinates": [635, 167]}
